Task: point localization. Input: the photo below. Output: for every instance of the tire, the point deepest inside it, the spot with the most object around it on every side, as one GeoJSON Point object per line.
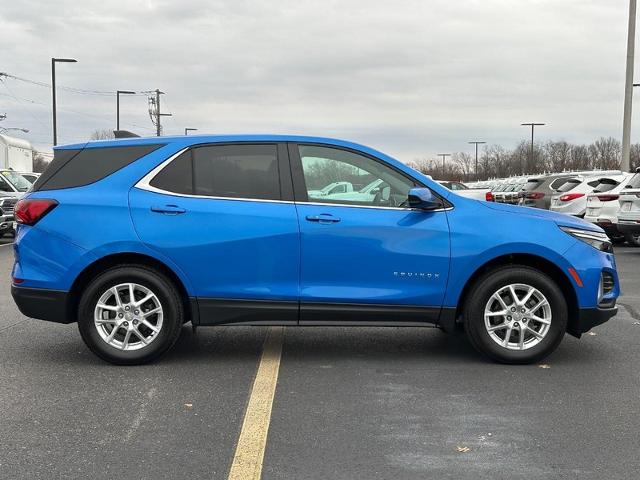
{"type": "Point", "coordinates": [533, 347]}
{"type": "Point", "coordinates": [163, 310]}
{"type": "Point", "coordinates": [633, 239]}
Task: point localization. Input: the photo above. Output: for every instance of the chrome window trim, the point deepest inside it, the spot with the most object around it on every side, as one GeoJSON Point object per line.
{"type": "Point", "coordinates": [145, 184]}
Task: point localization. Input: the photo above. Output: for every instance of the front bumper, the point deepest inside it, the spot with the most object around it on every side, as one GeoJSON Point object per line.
{"type": "Point", "coordinates": [42, 303]}
{"type": "Point", "coordinates": [588, 318]}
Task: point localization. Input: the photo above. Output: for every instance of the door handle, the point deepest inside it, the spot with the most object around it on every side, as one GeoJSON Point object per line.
{"type": "Point", "coordinates": [323, 218]}
{"type": "Point", "coordinates": [168, 209]}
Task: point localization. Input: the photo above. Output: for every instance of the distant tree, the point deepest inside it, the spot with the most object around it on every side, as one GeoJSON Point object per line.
{"type": "Point", "coordinates": [102, 134]}
{"type": "Point", "coordinates": [634, 156]}
{"type": "Point", "coordinates": [466, 165]}
{"type": "Point", "coordinates": [40, 163]}
{"type": "Point", "coordinates": [605, 153]}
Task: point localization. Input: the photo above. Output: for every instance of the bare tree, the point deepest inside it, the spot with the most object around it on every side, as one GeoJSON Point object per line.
{"type": "Point", "coordinates": [465, 163]}
{"type": "Point", "coordinates": [102, 134]}
{"type": "Point", "coordinates": [40, 163]}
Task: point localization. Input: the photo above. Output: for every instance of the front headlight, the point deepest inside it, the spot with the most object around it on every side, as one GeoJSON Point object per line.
{"type": "Point", "coordinates": [597, 240]}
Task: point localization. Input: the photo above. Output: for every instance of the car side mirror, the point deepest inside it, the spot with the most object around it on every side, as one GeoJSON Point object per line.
{"type": "Point", "coordinates": [424, 199]}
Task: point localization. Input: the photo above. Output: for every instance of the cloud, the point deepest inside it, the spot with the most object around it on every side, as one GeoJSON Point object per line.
{"type": "Point", "coordinates": [411, 78]}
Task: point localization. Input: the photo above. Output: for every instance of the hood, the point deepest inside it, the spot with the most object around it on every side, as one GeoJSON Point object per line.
{"type": "Point", "coordinates": [559, 218]}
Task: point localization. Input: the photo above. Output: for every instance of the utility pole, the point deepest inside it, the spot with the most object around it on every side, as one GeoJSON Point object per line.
{"type": "Point", "coordinates": [477, 143]}
{"type": "Point", "coordinates": [53, 91]}
{"type": "Point", "coordinates": [628, 88]}
{"type": "Point", "coordinates": [444, 156]}
{"type": "Point", "coordinates": [154, 110]}
{"type": "Point", "coordinates": [118, 93]}
{"type": "Point", "coordinates": [532, 125]}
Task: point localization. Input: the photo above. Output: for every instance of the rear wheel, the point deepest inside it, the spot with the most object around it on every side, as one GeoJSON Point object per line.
{"type": "Point", "coordinates": [515, 315]}
{"type": "Point", "coordinates": [130, 315]}
{"type": "Point", "coordinates": [633, 239]}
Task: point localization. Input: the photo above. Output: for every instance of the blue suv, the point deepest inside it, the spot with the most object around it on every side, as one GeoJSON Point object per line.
{"type": "Point", "coordinates": [132, 238]}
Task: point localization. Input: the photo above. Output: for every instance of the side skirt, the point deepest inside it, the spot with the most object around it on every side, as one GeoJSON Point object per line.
{"type": "Point", "coordinates": [214, 311]}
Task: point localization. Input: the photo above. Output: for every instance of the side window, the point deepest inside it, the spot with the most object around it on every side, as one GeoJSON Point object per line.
{"type": "Point", "coordinates": [237, 171]}
{"type": "Point", "coordinates": [4, 186]}
{"type": "Point", "coordinates": [177, 177]}
{"type": "Point", "coordinates": [366, 181]}
{"type": "Point", "coordinates": [233, 171]}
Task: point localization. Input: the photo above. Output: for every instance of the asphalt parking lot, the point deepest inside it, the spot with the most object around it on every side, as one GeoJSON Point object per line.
{"type": "Point", "coordinates": [350, 403]}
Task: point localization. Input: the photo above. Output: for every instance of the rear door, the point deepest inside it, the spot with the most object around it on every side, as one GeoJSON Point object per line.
{"type": "Point", "coordinates": [224, 214]}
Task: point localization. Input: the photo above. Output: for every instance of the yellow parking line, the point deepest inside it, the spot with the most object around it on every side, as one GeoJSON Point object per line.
{"type": "Point", "coordinates": [247, 461]}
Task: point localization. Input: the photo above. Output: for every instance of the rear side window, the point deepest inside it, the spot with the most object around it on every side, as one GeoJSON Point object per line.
{"type": "Point", "coordinates": [634, 182]}
{"type": "Point", "coordinates": [532, 184]}
{"type": "Point", "coordinates": [177, 176]}
{"type": "Point", "coordinates": [568, 185]}
{"type": "Point", "coordinates": [75, 168]}
{"type": "Point", "coordinates": [230, 171]}
{"type": "Point", "coordinates": [605, 185]}
{"type": "Point", "coordinates": [237, 171]}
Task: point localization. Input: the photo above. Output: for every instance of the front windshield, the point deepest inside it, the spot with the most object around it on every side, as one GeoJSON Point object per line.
{"type": "Point", "coordinates": [18, 181]}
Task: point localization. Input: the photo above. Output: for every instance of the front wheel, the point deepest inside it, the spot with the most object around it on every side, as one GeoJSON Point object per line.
{"type": "Point", "coordinates": [515, 315]}
{"type": "Point", "coordinates": [130, 315]}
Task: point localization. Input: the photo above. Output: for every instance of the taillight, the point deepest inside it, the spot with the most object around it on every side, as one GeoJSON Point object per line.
{"type": "Point", "coordinates": [488, 197]}
{"type": "Point", "coordinates": [30, 210]}
{"type": "Point", "coordinates": [608, 198]}
{"type": "Point", "coordinates": [534, 195]}
{"type": "Point", "coordinates": [570, 196]}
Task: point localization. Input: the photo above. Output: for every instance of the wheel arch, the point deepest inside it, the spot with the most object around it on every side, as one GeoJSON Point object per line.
{"type": "Point", "coordinates": [130, 258]}
{"type": "Point", "coordinates": [528, 260]}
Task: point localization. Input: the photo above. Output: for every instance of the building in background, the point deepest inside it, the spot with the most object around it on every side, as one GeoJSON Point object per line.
{"type": "Point", "coordinates": [16, 153]}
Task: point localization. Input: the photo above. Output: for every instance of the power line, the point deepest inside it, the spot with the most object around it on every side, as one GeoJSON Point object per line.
{"type": "Point", "coordinates": [80, 91]}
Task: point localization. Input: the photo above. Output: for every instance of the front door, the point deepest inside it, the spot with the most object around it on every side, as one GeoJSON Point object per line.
{"type": "Point", "coordinates": [366, 256]}
{"type": "Point", "coordinates": [220, 213]}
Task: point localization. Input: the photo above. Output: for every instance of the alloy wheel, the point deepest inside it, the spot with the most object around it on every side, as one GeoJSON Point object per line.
{"type": "Point", "coordinates": [517, 316]}
{"type": "Point", "coordinates": [128, 316]}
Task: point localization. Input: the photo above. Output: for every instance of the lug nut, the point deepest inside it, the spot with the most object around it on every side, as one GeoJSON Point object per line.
{"type": "Point", "coordinates": [120, 315]}
{"type": "Point", "coordinates": [523, 310]}
{"type": "Point", "coordinates": [508, 317]}
{"type": "Point", "coordinates": [516, 324]}
{"type": "Point", "coordinates": [127, 308]}
{"type": "Point", "coordinates": [136, 312]}
{"type": "Point", "coordinates": [126, 324]}
{"type": "Point", "coordinates": [513, 309]}
{"type": "Point", "coordinates": [135, 322]}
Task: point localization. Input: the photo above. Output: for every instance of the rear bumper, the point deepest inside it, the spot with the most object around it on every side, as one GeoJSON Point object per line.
{"type": "Point", "coordinates": [43, 304]}
{"type": "Point", "coordinates": [590, 317]}
{"type": "Point", "coordinates": [631, 227]}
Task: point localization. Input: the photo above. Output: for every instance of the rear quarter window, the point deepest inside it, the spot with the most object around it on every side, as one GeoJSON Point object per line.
{"type": "Point", "coordinates": [76, 168]}
{"type": "Point", "coordinates": [568, 185]}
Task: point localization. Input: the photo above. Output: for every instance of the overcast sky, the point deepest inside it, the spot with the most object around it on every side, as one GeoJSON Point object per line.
{"type": "Point", "coordinates": [411, 78]}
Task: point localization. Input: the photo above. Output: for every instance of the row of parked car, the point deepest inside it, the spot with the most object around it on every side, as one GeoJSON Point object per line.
{"type": "Point", "coordinates": [12, 186]}
{"type": "Point", "coordinates": [610, 199]}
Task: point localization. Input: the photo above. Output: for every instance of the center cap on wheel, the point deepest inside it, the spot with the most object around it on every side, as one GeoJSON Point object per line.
{"type": "Point", "coordinates": [128, 316]}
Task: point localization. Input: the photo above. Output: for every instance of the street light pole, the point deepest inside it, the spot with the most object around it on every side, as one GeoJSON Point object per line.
{"type": "Point", "coordinates": [532, 125]}
{"type": "Point", "coordinates": [187, 130]}
{"type": "Point", "coordinates": [53, 90]}
{"type": "Point", "coordinates": [118, 93]}
{"type": "Point", "coordinates": [443, 155]}
{"type": "Point", "coordinates": [477, 143]}
{"type": "Point", "coordinates": [628, 88]}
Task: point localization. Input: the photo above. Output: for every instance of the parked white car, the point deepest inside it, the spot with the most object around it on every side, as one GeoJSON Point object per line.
{"type": "Point", "coordinates": [629, 212]}
{"type": "Point", "coordinates": [465, 191]}
{"type": "Point", "coordinates": [603, 206]}
{"type": "Point", "coordinates": [571, 196]}
{"type": "Point", "coordinates": [335, 187]}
